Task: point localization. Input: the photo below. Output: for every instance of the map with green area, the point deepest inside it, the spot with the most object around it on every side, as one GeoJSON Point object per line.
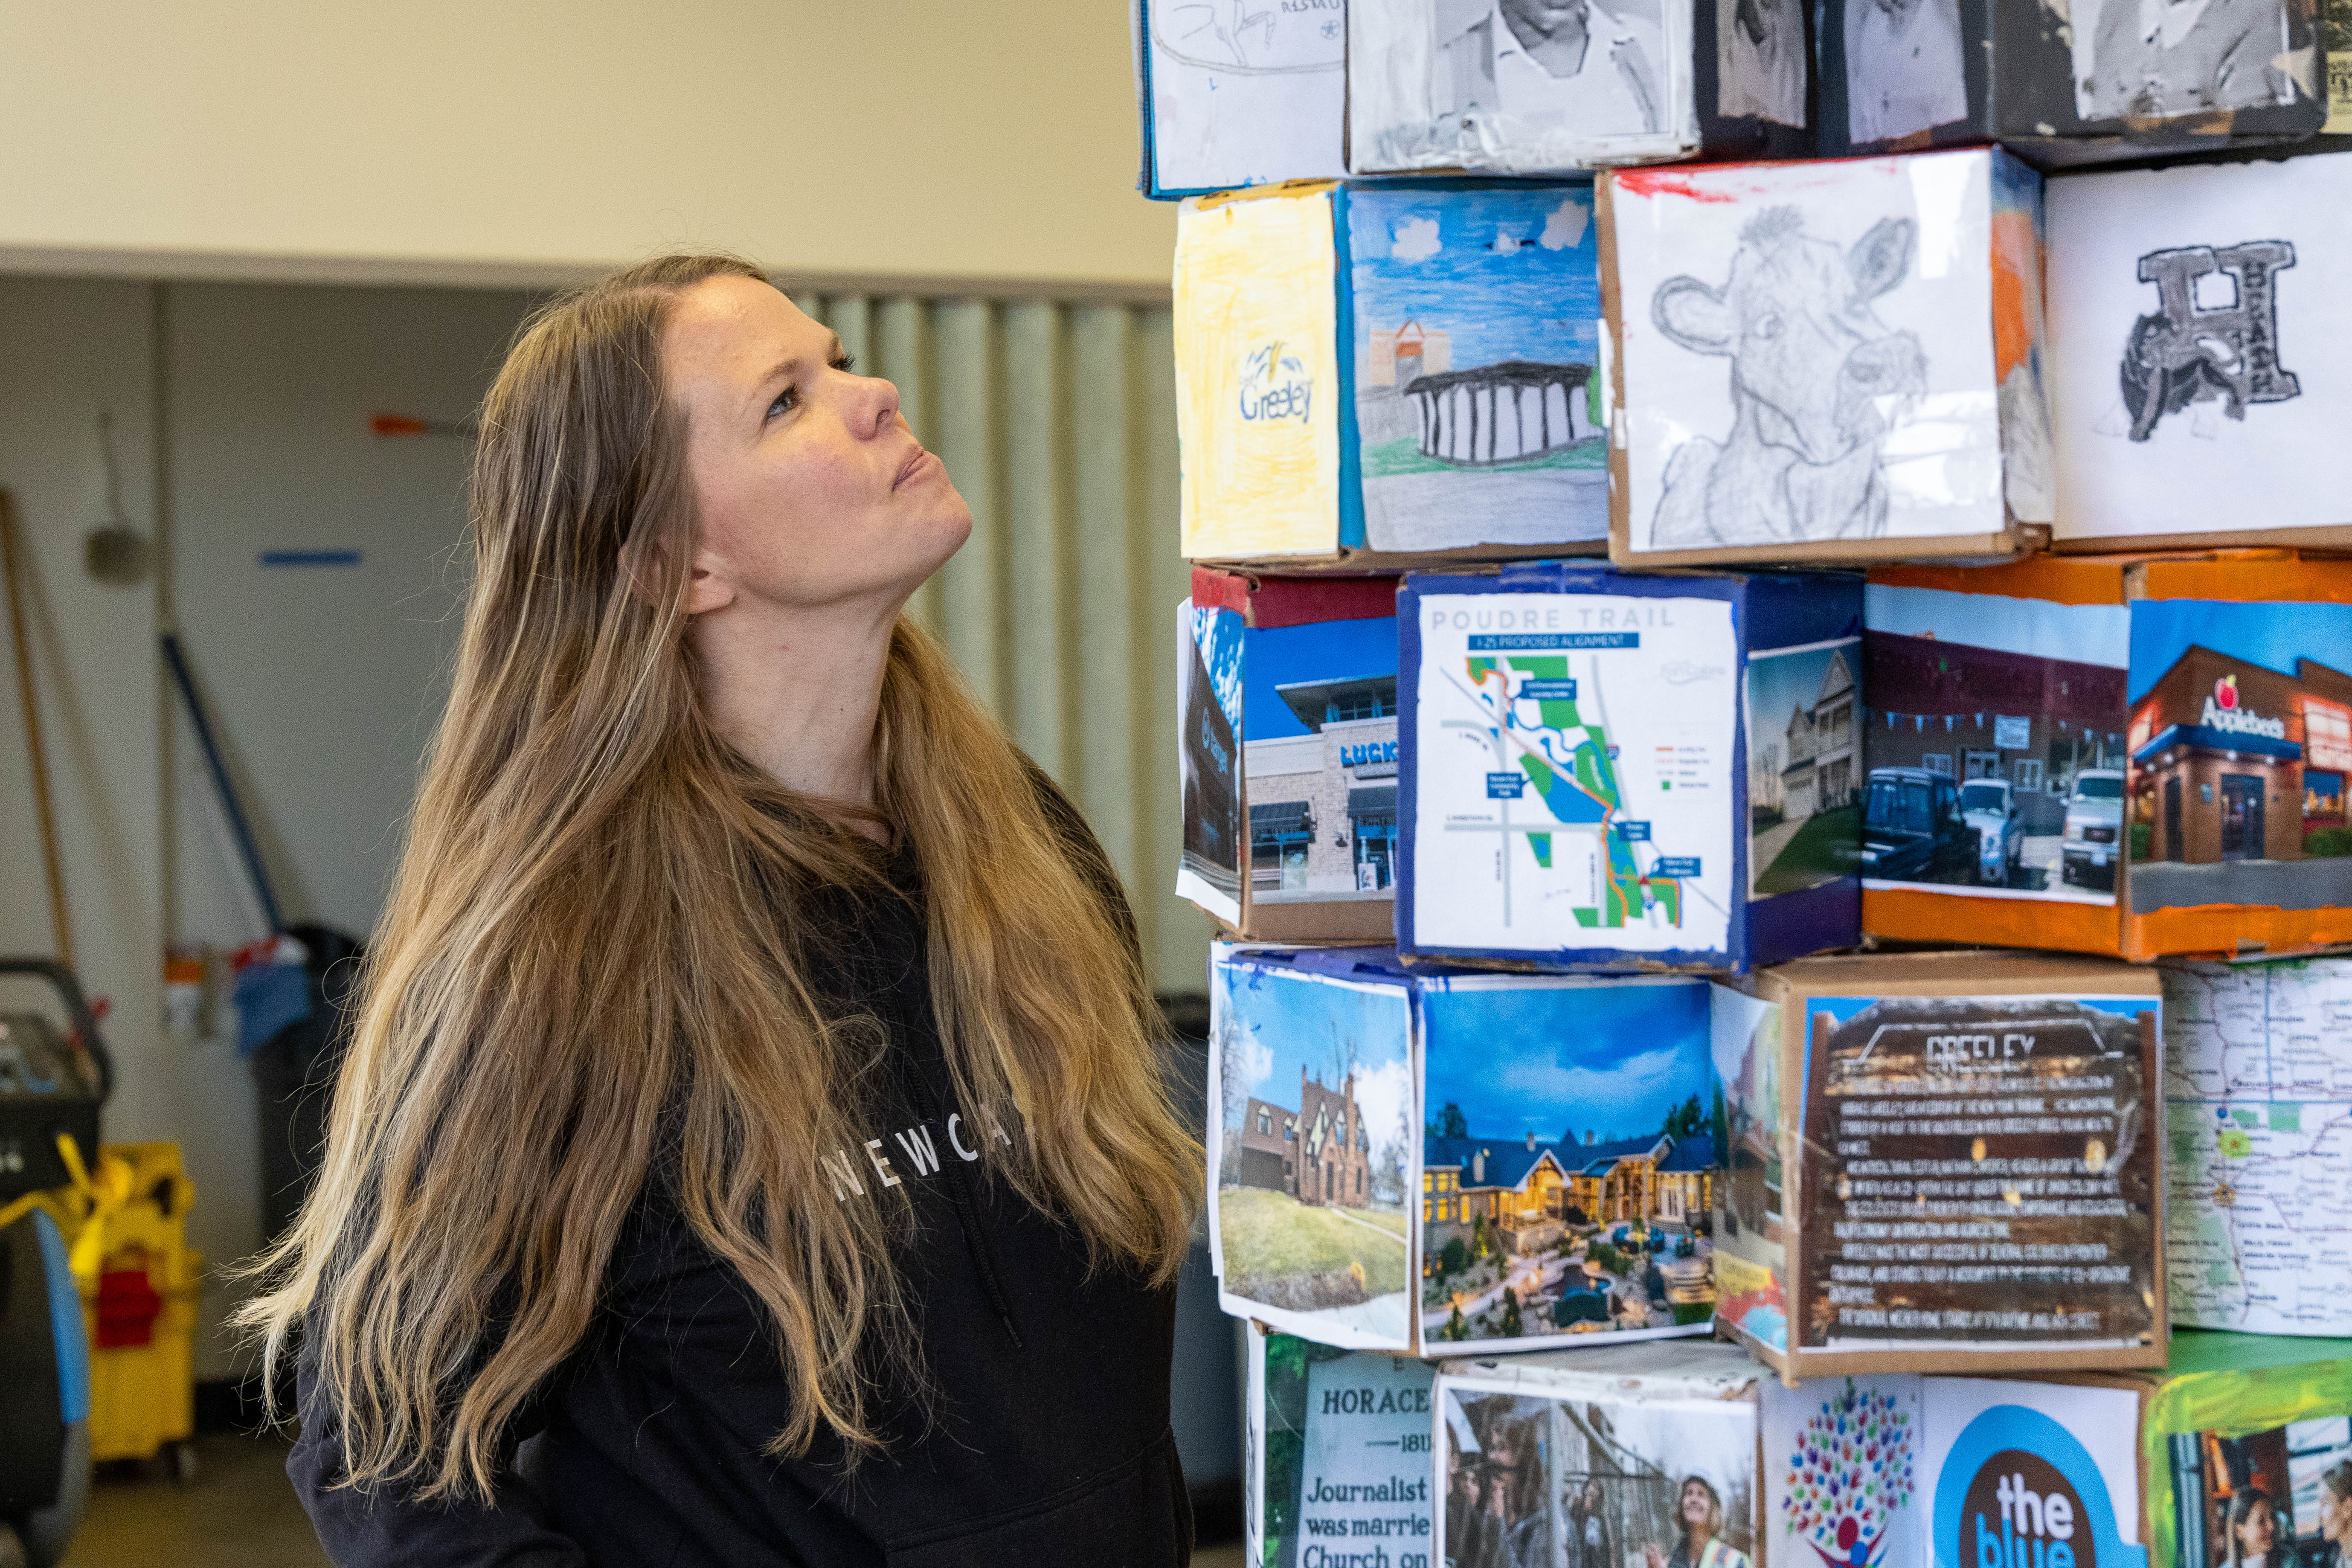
{"type": "Point", "coordinates": [1573, 783]}
{"type": "Point", "coordinates": [1567, 758]}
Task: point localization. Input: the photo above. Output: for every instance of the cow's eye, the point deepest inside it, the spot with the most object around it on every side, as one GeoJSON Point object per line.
{"type": "Point", "coordinates": [1769, 326]}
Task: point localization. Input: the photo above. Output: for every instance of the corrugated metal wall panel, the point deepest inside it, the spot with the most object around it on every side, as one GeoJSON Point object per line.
{"type": "Point", "coordinates": [1058, 424]}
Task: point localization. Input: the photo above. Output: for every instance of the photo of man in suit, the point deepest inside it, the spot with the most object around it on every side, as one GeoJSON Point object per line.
{"type": "Point", "coordinates": [1562, 65]}
{"type": "Point", "coordinates": [1903, 68]}
{"type": "Point", "coordinates": [1760, 61]}
{"type": "Point", "coordinates": [2154, 59]}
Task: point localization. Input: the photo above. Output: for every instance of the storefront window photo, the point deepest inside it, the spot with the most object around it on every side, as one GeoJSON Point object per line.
{"type": "Point", "coordinates": [2240, 740]}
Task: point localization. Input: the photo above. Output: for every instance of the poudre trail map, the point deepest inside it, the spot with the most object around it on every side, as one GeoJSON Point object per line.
{"type": "Point", "coordinates": [2258, 1091]}
{"type": "Point", "coordinates": [1574, 786]}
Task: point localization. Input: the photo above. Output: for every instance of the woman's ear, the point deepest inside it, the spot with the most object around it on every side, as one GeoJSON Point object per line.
{"type": "Point", "coordinates": [707, 584]}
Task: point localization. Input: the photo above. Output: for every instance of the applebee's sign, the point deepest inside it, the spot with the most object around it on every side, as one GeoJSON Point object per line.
{"type": "Point", "coordinates": [2222, 713]}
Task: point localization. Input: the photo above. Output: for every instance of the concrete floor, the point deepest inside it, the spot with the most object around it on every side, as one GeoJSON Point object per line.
{"type": "Point", "coordinates": [240, 1513]}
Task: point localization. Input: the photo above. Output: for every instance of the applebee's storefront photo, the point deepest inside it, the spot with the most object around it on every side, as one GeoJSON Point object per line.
{"type": "Point", "coordinates": [2238, 778]}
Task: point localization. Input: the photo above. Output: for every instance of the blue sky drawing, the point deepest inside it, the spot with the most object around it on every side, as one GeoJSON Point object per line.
{"type": "Point", "coordinates": [1505, 274]}
{"type": "Point", "coordinates": [2081, 634]}
{"type": "Point", "coordinates": [2270, 635]}
{"type": "Point", "coordinates": [1793, 680]}
{"type": "Point", "coordinates": [1287, 1021]}
{"type": "Point", "coordinates": [1319, 650]}
{"type": "Point", "coordinates": [1565, 1060]}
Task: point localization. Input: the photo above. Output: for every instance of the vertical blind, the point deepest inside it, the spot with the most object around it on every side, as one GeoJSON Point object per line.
{"type": "Point", "coordinates": [1057, 421]}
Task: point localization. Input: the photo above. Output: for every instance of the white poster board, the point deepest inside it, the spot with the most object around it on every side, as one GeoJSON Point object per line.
{"type": "Point", "coordinates": [2196, 318]}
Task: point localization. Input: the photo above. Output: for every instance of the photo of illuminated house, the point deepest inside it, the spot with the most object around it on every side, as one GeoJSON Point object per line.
{"type": "Point", "coordinates": [1556, 1228]}
{"type": "Point", "coordinates": [2237, 765]}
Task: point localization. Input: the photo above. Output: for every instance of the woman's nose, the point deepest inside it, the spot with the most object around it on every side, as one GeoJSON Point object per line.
{"type": "Point", "coordinates": [883, 409]}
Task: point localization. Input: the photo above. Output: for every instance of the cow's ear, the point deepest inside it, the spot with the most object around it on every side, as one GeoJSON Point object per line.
{"type": "Point", "coordinates": [1880, 258]}
{"type": "Point", "coordinates": [1694, 315]}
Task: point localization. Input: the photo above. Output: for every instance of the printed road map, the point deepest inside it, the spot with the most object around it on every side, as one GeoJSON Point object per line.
{"type": "Point", "coordinates": [2258, 1103]}
{"type": "Point", "coordinates": [1573, 782]}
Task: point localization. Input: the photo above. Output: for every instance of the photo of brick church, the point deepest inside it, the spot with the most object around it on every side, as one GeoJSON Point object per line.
{"type": "Point", "coordinates": [1311, 1146]}
{"type": "Point", "coordinates": [1319, 1154]}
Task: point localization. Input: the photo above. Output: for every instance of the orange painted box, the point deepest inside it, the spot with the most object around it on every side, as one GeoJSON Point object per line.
{"type": "Point", "coordinates": [2131, 755]}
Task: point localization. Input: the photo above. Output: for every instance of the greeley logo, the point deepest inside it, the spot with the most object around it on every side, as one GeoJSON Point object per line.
{"type": "Point", "coordinates": [1275, 384]}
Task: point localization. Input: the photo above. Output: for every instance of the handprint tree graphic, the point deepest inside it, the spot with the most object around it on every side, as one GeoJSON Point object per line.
{"type": "Point", "coordinates": [1849, 1474]}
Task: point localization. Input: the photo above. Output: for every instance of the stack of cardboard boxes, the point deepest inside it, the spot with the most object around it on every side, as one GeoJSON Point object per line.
{"type": "Point", "coordinates": [1771, 740]}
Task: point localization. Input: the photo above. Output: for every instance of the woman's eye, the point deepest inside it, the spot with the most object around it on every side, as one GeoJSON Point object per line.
{"type": "Point", "coordinates": [790, 398]}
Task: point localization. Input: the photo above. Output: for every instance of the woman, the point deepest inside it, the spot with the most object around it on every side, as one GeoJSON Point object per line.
{"type": "Point", "coordinates": [1588, 1528]}
{"type": "Point", "coordinates": [751, 1149]}
{"type": "Point", "coordinates": [2335, 1515]}
{"type": "Point", "coordinates": [1699, 1544]}
{"type": "Point", "coordinates": [2251, 1526]}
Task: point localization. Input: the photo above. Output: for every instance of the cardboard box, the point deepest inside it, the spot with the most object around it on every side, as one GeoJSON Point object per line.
{"type": "Point", "coordinates": [1406, 1160]}
{"type": "Point", "coordinates": [2115, 1470]}
{"type": "Point", "coordinates": [1288, 756]}
{"type": "Point", "coordinates": [2192, 311]}
{"type": "Point", "coordinates": [1594, 776]}
{"type": "Point", "coordinates": [1383, 375]}
{"type": "Point", "coordinates": [1436, 85]}
{"type": "Point", "coordinates": [2258, 1095]}
{"type": "Point", "coordinates": [1225, 105]}
{"type": "Point", "coordinates": [2155, 749]}
{"type": "Point", "coordinates": [1334, 1452]}
{"type": "Point", "coordinates": [1945, 1162]}
{"type": "Point", "coordinates": [1589, 1455]}
{"type": "Point", "coordinates": [1579, 1457]}
{"type": "Point", "coordinates": [1826, 362]}
{"type": "Point", "coordinates": [2099, 84]}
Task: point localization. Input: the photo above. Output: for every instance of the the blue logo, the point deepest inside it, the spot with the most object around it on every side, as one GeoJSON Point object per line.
{"type": "Point", "coordinates": [2018, 1491]}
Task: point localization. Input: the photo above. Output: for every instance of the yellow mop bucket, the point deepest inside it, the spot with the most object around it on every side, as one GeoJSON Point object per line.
{"type": "Point", "coordinates": [138, 1283]}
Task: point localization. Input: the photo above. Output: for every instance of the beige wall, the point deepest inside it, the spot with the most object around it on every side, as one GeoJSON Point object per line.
{"type": "Point", "coordinates": [503, 140]}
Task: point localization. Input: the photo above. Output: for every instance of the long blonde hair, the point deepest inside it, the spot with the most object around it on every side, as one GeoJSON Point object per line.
{"type": "Point", "coordinates": [599, 920]}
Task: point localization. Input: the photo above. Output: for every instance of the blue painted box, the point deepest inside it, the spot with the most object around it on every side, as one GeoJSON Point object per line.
{"type": "Point", "coordinates": [1608, 771]}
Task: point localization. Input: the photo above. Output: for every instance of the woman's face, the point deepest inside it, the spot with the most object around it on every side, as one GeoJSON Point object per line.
{"type": "Point", "coordinates": [811, 489]}
{"type": "Point", "coordinates": [2256, 1530]}
{"type": "Point", "coordinates": [2335, 1514]}
{"type": "Point", "coordinates": [1694, 1505]}
{"type": "Point", "coordinates": [1591, 1497]}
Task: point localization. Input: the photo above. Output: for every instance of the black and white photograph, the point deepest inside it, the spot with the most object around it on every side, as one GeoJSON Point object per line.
{"type": "Point", "coordinates": [1522, 86]}
{"type": "Point", "coordinates": [1759, 60]}
{"type": "Point", "coordinates": [1903, 69]}
{"type": "Point", "coordinates": [2161, 59]}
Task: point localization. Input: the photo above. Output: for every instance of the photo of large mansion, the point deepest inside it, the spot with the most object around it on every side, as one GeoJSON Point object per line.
{"type": "Point", "coordinates": [1530, 1193]}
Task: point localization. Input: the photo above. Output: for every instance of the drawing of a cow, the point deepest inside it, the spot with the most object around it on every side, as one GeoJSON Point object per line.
{"type": "Point", "coordinates": [1817, 381]}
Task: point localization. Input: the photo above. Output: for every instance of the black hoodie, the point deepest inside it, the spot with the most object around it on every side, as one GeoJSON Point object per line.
{"type": "Point", "coordinates": [1046, 1440]}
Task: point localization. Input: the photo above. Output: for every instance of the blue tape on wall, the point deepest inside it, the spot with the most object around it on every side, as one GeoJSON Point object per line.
{"type": "Point", "coordinates": [309, 558]}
